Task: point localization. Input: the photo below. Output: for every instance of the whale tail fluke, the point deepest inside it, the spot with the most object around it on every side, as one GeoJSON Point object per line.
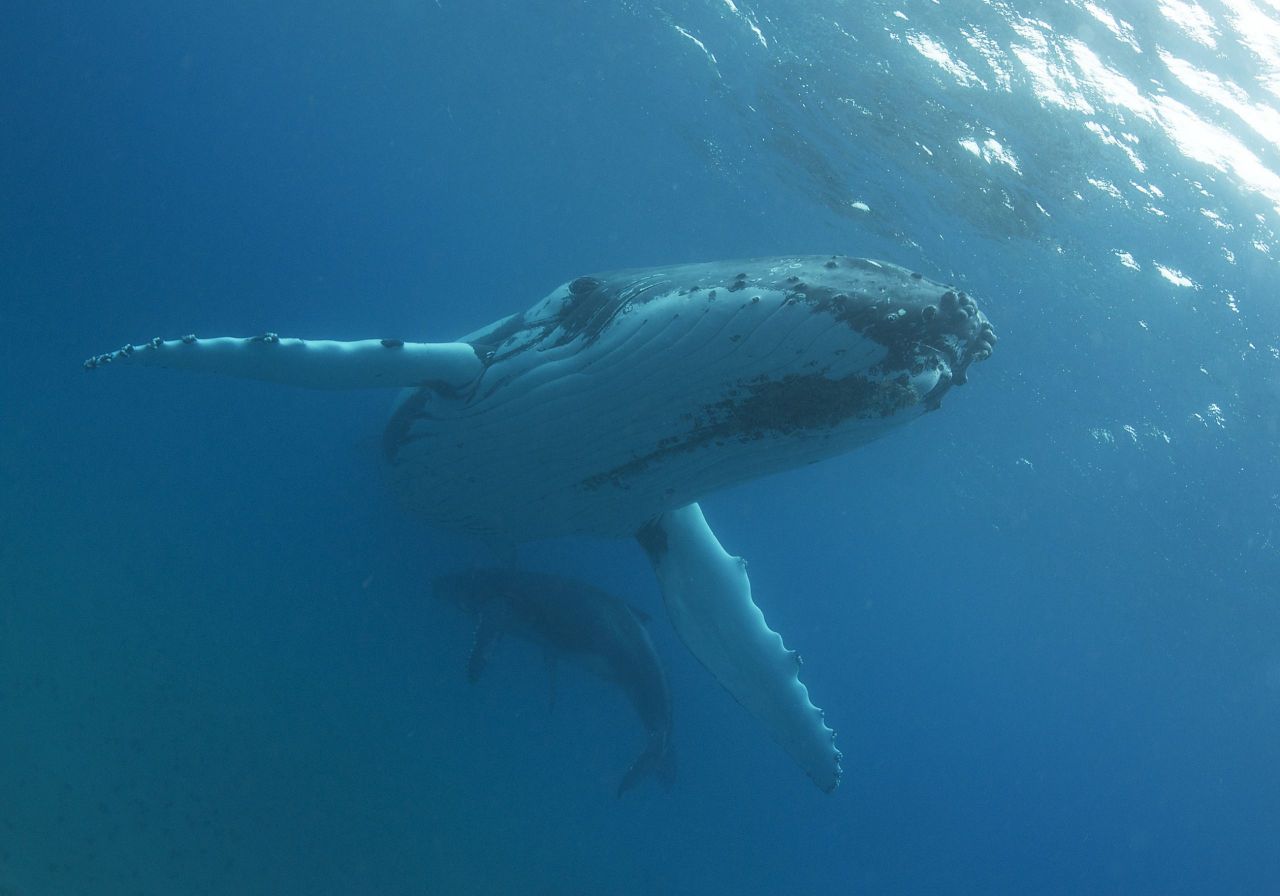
{"type": "Point", "coordinates": [657, 759]}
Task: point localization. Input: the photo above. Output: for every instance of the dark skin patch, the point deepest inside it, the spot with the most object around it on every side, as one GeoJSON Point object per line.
{"type": "Point", "coordinates": [653, 538]}
{"type": "Point", "coordinates": [593, 303]}
{"type": "Point", "coordinates": [796, 405]}
{"type": "Point", "coordinates": [809, 402]}
{"type": "Point", "coordinates": [486, 343]}
{"type": "Point", "coordinates": [584, 286]}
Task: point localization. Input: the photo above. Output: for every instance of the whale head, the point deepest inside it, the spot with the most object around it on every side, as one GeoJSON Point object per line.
{"type": "Point", "coordinates": [930, 332]}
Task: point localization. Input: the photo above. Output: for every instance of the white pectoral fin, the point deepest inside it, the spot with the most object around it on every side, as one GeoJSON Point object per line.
{"type": "Point", "coordinates": [708, 597]}
{"type": "Point", "coordinates": [314, 363]}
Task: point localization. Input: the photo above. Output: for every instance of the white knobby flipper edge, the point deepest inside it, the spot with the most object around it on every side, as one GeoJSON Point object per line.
{"type": "Point", "coordinates": [708, 597]}
{"type": "Point", "coordinates": [314, 363]}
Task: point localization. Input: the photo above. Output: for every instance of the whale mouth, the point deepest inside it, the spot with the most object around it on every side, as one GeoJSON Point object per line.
{"type": "Point", "coordinates": [964, 333]}
{"type": "Point", "coordinates": [942, 339]}
{"type": "Point", "coordinates": [950, 354]}
{"type": "Point", "coordinates": [931, 332]}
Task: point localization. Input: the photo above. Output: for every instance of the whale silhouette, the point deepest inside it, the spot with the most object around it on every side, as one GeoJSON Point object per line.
{"type": "Point", "coordinates": [576, 620]}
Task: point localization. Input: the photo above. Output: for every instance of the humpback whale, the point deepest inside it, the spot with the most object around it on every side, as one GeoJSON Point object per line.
{"type": "Point", "coordinates": [621, 399]}
{"type": "Point", "coordinates": [580, 621]}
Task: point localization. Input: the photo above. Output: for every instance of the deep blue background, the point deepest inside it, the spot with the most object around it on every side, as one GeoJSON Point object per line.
{"type": "Point", "coordinates": [1051, 648]}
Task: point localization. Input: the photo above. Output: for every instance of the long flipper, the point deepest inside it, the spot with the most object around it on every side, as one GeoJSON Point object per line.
{"type": "Point", "coordinates": [708, 597]}
{"type": "Point", "coordinates": [314, 363]}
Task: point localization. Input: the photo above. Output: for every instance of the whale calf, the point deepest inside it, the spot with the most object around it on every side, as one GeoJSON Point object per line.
{"type": "Point", "coordinates": [621, 399]}
{"type": "Point", "coordinates": [573, 619]}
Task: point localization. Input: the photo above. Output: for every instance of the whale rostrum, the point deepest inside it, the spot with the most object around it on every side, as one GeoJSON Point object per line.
{"type": "Point", "coordinates": [618, 401]}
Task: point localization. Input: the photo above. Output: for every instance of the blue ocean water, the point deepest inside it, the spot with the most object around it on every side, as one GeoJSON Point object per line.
{"type": "Point", "coordinates": [1044, 621]}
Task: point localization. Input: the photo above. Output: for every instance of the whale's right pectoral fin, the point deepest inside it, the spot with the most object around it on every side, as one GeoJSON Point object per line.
{"type": "Point", "coordinates": [708, 597]}
{"type": "Point", "coordinates": [314, 363]}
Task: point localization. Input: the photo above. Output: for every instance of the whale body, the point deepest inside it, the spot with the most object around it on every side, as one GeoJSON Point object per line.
{"type": "Point", "coordinates": [618, 401]}
{"type": "Point", "coordinates": [579, 621]}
